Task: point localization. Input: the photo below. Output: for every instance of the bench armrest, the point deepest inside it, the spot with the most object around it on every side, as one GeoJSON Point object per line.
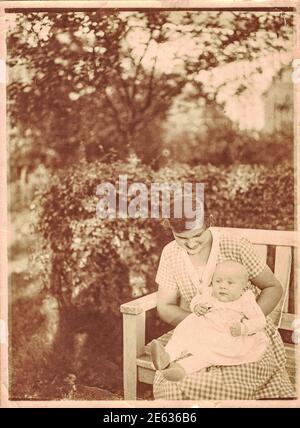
{"type": "Point", "coordinates": [140, 305]}
{"type": "Point", "coordinates": [134, 322]}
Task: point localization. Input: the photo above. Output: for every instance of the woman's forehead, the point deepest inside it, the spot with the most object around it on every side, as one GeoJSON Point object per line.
{"type": "Point", "coordinates": [190, 233]}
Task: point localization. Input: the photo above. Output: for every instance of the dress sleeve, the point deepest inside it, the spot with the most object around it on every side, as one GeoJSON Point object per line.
{"type": "Point", "coordinates": [250, 259]}
{"type": "Point", "coordinates": [165, 271]}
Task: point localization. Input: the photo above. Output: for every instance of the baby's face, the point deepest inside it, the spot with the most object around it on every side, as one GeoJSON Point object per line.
{"type": "Point", "coordinates": [228, 282]}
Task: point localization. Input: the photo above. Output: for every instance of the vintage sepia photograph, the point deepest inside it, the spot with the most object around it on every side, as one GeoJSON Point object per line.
{"type": "Point", "coordinates": [151, 198]}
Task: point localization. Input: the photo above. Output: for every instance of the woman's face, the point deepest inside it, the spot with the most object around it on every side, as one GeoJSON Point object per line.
{"type": "Point", "coordinates": [193, 241]}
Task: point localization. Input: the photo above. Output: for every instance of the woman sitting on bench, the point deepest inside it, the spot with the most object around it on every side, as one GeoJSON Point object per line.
{"type": "Point", "coordinates": [188, 262]}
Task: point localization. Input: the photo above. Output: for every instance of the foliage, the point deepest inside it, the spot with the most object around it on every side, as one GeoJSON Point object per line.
{"type": "Point", "coordinates": [93, 259]}
{"type": "Point", "coordinates": [95, 262]}
{"type": "Point", "coordinates": [104, 82]}
{"type": "Point", "coordinates": [227, 145]}
{"type": "Point", "coordinates": [250, 196]}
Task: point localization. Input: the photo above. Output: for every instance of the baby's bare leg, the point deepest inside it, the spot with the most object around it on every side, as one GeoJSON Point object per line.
{"type": "Point", "coordinates": [160, 357]}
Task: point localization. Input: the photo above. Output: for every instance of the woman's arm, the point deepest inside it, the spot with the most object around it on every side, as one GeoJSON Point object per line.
{"type": "Point", "coordinates": [167, 306]}
{"type": "Point", "coordinates": [271, 290]}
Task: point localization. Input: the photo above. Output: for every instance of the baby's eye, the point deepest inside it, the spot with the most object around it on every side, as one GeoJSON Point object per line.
{"type": "Point", "coordinates": [230, 282]}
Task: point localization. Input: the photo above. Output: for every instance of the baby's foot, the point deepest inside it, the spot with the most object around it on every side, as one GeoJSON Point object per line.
{"type": "Point", "coordinates": [160, 357]}
{"type": "Point", "coordinates": [175, 372]}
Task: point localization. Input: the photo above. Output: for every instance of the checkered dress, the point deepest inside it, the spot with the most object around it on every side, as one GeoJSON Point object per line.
{"type": "Point", "coordinates": [266, 378]}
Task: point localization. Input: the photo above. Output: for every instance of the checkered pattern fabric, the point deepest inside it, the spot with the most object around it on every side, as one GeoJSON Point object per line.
{"type": "Point", "coordinates": [172, 272]}
{"type": "Point", "coordinates": [264, 379]}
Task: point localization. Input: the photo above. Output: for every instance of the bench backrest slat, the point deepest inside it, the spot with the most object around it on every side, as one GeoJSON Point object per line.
{"type": "Point", "coordinates": [283, 265]}
{"type": "Point", "coordinates": [262, 236]}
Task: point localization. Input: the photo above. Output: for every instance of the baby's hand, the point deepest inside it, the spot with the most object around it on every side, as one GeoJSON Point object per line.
{"type": "Point", "coordinates": [201, 310]}
{"type": "Point", "coordinates": [236, 329]}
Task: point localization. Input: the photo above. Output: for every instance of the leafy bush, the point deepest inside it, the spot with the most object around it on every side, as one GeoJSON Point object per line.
{"type": "Point", "coordinates": [95, 263]}
{"type": "Point", "coordinates": [226, 145]}
{"type": "Point", "coordinates": [250, 196]}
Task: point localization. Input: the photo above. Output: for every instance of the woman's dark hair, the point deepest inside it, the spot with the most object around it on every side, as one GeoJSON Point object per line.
{"type": "Point", "coordinates": [180, 224]}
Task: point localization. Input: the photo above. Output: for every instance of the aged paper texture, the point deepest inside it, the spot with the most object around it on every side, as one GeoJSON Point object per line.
{"type": "Point", "coordinates": [111, 113]}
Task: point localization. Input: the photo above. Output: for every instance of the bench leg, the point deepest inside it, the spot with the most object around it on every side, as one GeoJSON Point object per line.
{"type": "Point", "coordinates": [133, 346]}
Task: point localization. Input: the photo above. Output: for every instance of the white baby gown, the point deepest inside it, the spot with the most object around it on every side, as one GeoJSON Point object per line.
{"type": "Point", "coordinates": [208, 338]}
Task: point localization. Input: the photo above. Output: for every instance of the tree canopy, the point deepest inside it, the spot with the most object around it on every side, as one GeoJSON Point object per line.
{"type": "Point", "coordinates": [105, 80]}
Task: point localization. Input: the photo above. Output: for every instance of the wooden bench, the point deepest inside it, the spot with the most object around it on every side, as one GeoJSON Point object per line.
{"type": "Point", "coordinates": [276, 247]}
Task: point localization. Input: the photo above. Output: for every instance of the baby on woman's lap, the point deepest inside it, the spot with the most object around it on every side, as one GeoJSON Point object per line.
{"type": "Point", "coordinates": [226, 327]}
